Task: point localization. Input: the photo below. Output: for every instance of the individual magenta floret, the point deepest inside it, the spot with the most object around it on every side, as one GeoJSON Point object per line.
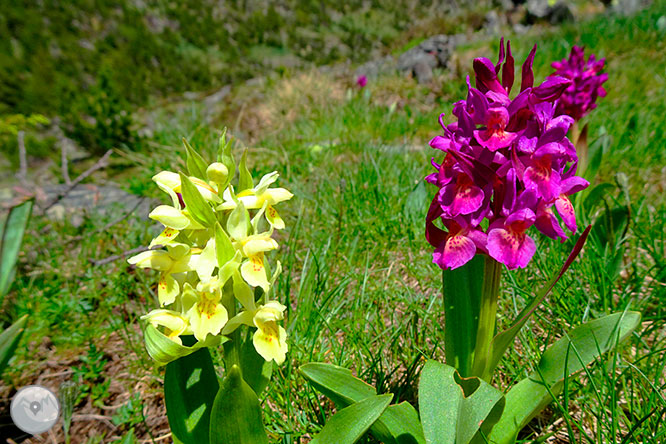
{"type": "Point", "coordinates": [507, 166]}
{"type": "Point", "coordinates": [586, 80]}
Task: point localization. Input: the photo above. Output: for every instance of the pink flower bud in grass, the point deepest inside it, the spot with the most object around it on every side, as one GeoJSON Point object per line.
{"type": "Point", "coordinates": [580, 96]}
{"type": "Point", "coordinates": [361, 81]}
{"type": "Point", "coordinates": [506, 161]}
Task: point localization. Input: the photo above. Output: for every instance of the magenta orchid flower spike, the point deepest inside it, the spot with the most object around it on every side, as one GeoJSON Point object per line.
{"type": "Point", "coordinates": [580, 96]}
{"type": "Point", "coordinates": [508, 165]}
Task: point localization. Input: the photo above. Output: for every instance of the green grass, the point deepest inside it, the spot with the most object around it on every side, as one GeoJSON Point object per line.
{"type": "Point", "coordinates": [358, 280]}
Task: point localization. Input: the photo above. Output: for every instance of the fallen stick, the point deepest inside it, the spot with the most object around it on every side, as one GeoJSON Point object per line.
{"type": "Point", "coordinates": [101, 163]}
{"type": "Point", "coordinates": [64, 168]}
{"type": "Point", "coordinates": [23, 157]}
{"type": "Point", "coordinates": [110, 224]}
{"type": "Point", "coordinates": [115, 257]}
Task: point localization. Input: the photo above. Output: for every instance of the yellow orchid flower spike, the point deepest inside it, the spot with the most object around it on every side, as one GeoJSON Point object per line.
{"type": "Point", "coordinates": [170, 183]}
{"type": "Point", "coordinates": [257, 197]}
{"type": "Point", "coordinates": [176, 259]}
{"type": "Point", "coordinates": [206, 315]}
{"type": "Point", "coordinates": [173, 323]}
{"type": "Point", "coordinates": [252, 246]}
{"type": "Point", "coordinates": [270, 339]}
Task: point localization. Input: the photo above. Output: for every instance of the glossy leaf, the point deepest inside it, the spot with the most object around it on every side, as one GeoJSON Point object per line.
{"type": "Point", "coordinates": [195, 204]}
{"type": "Point", "coordinates": [504, 339]}
{"type": "Point", "coordinates": [9, 340]}
{"type": "Point", "coordinates": [462, 289]}
{"type": "Point", "coordinates": [163, 350]}
{"type": "Point", "coordinates": [10, 245]}
{"type": "Point", "coordinates": [196, 165]}
{"type": "Point", "coordinates": [244, 177]}
{"type": "Point", "coordinates": [399, 424]}
{"type": "Point", "coordinates": [564, 358]}
{"type": "Point", "coordinates": [236, 415]}
{"type": "Point", "coordinates": [190, 386]}
{"type": "Point", "coordinates": [349, 424]}
{"type": "Point", "coordinates": [453, 409]}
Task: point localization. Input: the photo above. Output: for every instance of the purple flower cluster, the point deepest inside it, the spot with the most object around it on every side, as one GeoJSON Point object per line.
{"type": "Point", "coordinates": [507, 165]}
{"type": "Point", "coordinates": [580, 97]}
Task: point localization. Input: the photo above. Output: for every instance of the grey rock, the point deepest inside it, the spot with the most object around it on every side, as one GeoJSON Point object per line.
{"type": "Point", "coordinates": [432, 53]}
{"type": "Point", "coordinates": [423, 72]}
{"type": "Point", "coordinates": [415, 56]}
{"type": "Point", "coordinates": [492, 23]}
{"type": "Point", "coordinates": [629, 7]}
{"type": "Point", "coordinates": [374, 68]}
{"type": "Point", "coordinates": [218, 96]}
{"type": "Point", "coordinates": [540, 10]}
{"type": "Point", "coordinates": [520, 29]}
{"type": "Point", "coordinates": [560, 13]}
{"type": "Point", "coordinates": [94, 199]}
{"type": "Point", "coordinates": [537, 8]}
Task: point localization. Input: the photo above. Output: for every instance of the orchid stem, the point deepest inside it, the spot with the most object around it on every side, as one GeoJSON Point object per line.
{"type": "Point", "coordinates": [231, 348]}
{"type": "Point", "coordinates": [487, 318]}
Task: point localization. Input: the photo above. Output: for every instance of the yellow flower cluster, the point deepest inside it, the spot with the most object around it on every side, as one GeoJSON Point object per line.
{"type": "Point", "coordinates": [214, 243]}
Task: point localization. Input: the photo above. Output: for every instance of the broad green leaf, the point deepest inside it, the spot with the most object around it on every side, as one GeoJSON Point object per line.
{"type": "Point", "coordinates": [337, 383]}
{"type": "Point", "coordinates": [195, 204]}
{"type": "Point", "coordinates": [244, 177]}
{"type": "Point", "coordinates": [256, 370]}
{"type": "Point", "coordinates": [454, 409]}
{"type": "Point", "coordinates": [349, 424]}
{"type": "Point", "coordinates": [504, 339]}
{"type": "Point", "coordinates": [224, 249]}
{"type": "Point", "coordinates": [236, 416]}
{"type": "Point", "coordinates": [163, 350]}
{"type": "Point", "coordinates": [399, 424]}
{"type": "Point", "coordinates": [564, 358]}
{"type": "Point", "coordinates": [12, 237]}
{"type": "Point", "coordinates": [190, 386]}
{"type": "Point", "coordinates": [196, 165]}
{"type": "Point", "coordinates": [9, 340]}
{"type": "Point", "coordinates": [462, 290]}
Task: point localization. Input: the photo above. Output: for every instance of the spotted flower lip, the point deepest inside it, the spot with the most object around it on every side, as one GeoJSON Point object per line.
{"type": "Point", "coordinates": [508, 166]}
{"type": "Point", "coordinates": [586, 78]}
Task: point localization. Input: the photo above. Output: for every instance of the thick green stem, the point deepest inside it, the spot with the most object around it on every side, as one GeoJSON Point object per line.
{"type": "Point", "coordinates": [487, 318]}
{"type": "Point", "coordinates": [232, 347]}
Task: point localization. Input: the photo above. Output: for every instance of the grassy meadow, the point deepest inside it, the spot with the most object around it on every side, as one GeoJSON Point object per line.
{"type": "Point", "coordinates": [359, 284]}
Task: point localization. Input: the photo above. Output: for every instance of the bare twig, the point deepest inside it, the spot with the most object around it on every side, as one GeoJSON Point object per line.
{"type": "Point", "coordinates": [101, 163]}
{"type": "Point", "coordinates": [110, 224]}
{"type": "Point", "coordinates": [115, 257]}
{"type": "Point", "coordinates": [91, 417]}
{"type": "Point", "coordinates": [64, 168]}
{"type": "Point", "coordinates": [159, 438]}
{"type": "Point", "coordinates": [23, 157]}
